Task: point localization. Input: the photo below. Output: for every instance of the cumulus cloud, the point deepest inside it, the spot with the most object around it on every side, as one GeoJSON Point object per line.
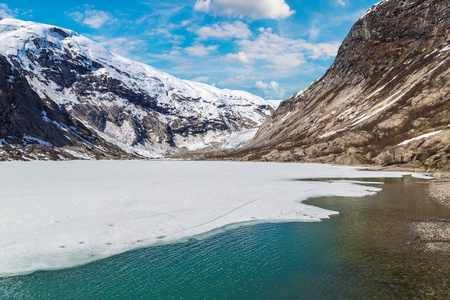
{"type": "Point", "coordinates": [200, 50]}
{"type": "Point", "coordinates": [225, 30]}
{"type": "Point", "coordinates": [202, 5]}
{"type": "Point", "coordinates": [240, 57]}
{"type": "Point", "coordinates": [282, 52]}
{"type": "Point", "coordinates": [342, 2]}
{"type": "Point", "coordinates": [6, 12]}
{"type": "Point", "coordinates": [254, 9]}
{"type": "Point", "coordinates": [91, 18]}
{"type": "Point", "coordinates": [271, 90]}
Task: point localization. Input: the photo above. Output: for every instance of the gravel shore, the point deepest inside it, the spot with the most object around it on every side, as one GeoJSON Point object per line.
{"type": "Point", "coordinates": [439, 191]}
{"type": "Point", "coordinates": [434, 235]}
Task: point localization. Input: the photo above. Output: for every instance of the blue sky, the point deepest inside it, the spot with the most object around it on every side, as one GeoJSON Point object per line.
{"type": "Point", "coordinates": [272, 48]}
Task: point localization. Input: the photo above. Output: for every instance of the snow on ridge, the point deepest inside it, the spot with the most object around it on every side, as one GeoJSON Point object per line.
{"type": "Point", "coordinates": [374, 7]}
{"type": "Point", "coordinates": [274, 103]}
{"type": "Point", "coordinates": [182, 98]}
{"type": "Point", "coordinates": [15, 35]}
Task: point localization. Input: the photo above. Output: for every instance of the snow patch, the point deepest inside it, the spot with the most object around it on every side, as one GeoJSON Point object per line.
{"type": "Point", "coordinates": [44, 117]}
{"type": "Point", "coordinates": [28, 138]}
{"type": "Point", "coordinates": [124, 134]}
{"type": "Point", "coordinates": [395, 97]}
{"type": "Point", "coordinates": [333, 132]}
{"type": "Point", "coordinates": [78, 154]}
{"type": "Point", "coordinates": [420, 137]}
{"type": "Point", "coordinates": [374, 7]}
{"type": "Point", "coordinates": [274, 103]}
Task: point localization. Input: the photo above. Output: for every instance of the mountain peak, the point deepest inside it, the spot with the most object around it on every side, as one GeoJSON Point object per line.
{"type": "Point", "coordinates": [131, 105]}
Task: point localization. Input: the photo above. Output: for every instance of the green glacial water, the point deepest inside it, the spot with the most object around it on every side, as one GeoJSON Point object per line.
{"type": "Point", "coordinates": [361, 254]}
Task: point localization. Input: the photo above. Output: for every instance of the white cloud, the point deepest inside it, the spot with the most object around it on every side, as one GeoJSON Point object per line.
{"type": "Point", "coordinates": [121, 45]}
{"type": "Point", "coordinates": [96, 18]}
{"type": "Point", "coordinates": [254, 9]}
{"type": "Point", "coordinates": [166, 33]}
{"type": "Point", "coordinates": [237, 80]}
{"type": "Point", "coordinates": [158, 22]}
{"type": "Point", "coordinates": [175, 52]}
{"type": "Point", "coordinates": [314, 33]}
{"type": "Point", "coordinates": [91, 18]}
{"type": "Point", "coordinates": [202, 5]}
{"type": "Point", "coordinates": [342, 2]}
{"type": "Point", "coordinates": [200, 50]}
{"type": "Point", "coordinates": [225, 30]}
{"type": "Point", "coordinates": [6, 12]}
{"type": "Point", "coordinates": [185, 23]}
{"type": "Point", "coordinates": [284, 53]}
{"type": "Point", "coordinates": [271, 90]}
{"type": "Point", "coordinates": [203, 79]}
{"type": "Point", "coordinates": [241, 57]}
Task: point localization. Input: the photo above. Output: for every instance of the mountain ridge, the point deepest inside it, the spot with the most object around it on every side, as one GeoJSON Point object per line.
{"type": "Point", "coordinates": [131, 109]}
{"type": "Point", "coordinates": [388, 84]}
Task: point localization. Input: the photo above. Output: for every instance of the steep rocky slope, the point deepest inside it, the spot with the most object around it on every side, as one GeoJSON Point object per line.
{"type": "Point", "coordinates": [385, 99]}
{"type": "Point", "coordinates": [64, 96]}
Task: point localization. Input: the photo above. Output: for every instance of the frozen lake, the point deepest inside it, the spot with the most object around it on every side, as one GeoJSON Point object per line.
{"type": "Point", "coordinates": [56, 215]}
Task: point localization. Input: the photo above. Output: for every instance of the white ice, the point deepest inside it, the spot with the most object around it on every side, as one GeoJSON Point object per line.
{"type": "Point", "coordinates": [61, 214]}
{"type": "Point", "coordinates": [240, 138]}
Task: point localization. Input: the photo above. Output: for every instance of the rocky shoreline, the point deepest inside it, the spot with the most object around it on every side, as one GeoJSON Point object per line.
{"type": "Point", "coordinates": [439, 190]}
{"type": "Point", "coordinates": [433, 236]}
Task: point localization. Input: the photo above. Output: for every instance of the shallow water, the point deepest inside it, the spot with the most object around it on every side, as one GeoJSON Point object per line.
{"type": "Point", "coordinates": [362, 253]}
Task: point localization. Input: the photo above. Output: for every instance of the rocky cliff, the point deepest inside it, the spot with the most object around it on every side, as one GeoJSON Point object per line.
{"type": "Point", "coordinates": [63, 96]}
{"type": "Point", "coordinates": [385, 99]}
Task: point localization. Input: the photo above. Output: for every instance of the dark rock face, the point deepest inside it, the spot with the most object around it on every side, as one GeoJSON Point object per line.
{"type": "Point", "coordinates": [65, 94]}
{"type": "Point", "coordinates": [390, 83]}
{"type": "Point", "coordinates": [27, 124]}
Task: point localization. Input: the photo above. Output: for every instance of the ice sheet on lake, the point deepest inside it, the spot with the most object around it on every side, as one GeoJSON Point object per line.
{"type": "Point", "coordinates": [61, 214]}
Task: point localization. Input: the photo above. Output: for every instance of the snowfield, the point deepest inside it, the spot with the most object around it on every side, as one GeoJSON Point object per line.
{"type": "Point", "coordinates": [62, 214]}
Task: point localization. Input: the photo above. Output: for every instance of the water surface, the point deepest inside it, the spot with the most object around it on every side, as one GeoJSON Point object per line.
{"type": "Point", "coordinates": [361, 253]}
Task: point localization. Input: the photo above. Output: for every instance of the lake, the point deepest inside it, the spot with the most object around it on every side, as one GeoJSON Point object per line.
{"type": "Point", "coordinates": [362, 252]}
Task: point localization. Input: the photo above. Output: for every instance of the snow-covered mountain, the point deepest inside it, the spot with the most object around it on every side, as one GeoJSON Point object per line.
{"type": "Point", "coordinates": [66, 96]}
{"type": "Point", "coordinates": [385, 99]}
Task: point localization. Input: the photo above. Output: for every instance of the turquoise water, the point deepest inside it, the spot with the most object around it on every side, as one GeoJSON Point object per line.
{"type": "Point", "coordinates": [362, 253]}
